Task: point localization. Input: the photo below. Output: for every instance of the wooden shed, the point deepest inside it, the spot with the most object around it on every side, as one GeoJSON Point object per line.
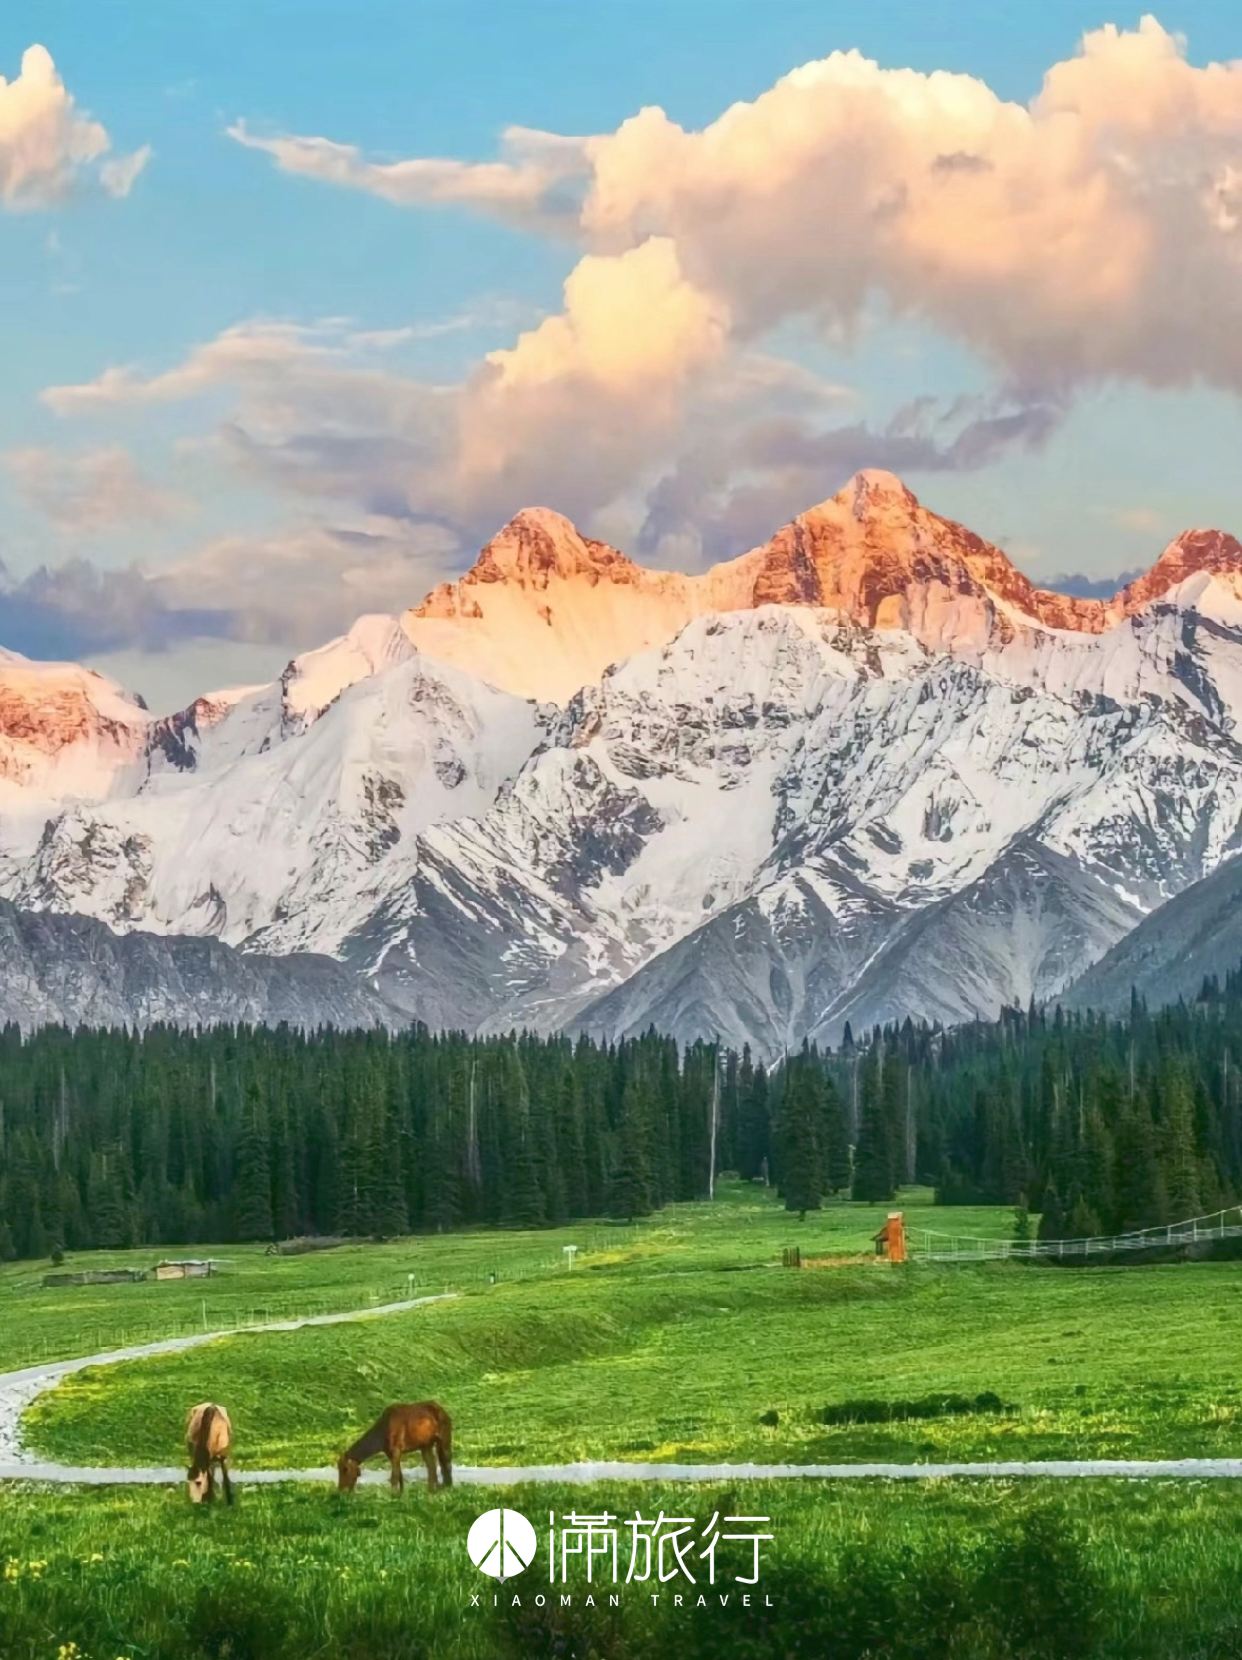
{"type": "Point", "coordinates": [190, 1268]}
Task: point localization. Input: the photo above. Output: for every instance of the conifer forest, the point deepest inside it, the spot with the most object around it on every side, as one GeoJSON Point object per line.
{"type": "Point", "coordinates": [111, 1139]}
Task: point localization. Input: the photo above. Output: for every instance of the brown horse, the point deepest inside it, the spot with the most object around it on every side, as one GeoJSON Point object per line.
{"type": "Point", "coordinates": [208, 1438]}
{"type": "Point", "coordinates": [424, 1427]}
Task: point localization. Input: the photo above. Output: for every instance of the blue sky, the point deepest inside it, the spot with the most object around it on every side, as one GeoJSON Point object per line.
{"type": "Point", "coordinates": [284, 502]}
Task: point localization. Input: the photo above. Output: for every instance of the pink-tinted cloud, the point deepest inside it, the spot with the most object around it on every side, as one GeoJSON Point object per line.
{"type": "Point", "coordinates": [90, 490]}
{"type": "Point", "coordinates": [48, 145]}
{"type": "Point", "coordinates": [1090, 233]}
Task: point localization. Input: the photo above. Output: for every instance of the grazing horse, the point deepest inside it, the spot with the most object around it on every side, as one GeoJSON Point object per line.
{"type": "Point", "coordinates": [208, 1438]}
{"type": "Point", "coordinates": [425, 1427]}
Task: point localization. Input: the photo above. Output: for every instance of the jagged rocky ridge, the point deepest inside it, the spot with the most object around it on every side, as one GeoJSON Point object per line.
{"type": "Point", "coordinates": [864, 770]}
{"type": "Point", "coordinates": [73, 971]}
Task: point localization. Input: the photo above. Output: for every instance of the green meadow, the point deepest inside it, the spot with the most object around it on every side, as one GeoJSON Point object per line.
{"type": "Point", "coordinates": [680, 1339]}
{"type": "Point", "coordinates": [744, 1228]}
{"type": "Point", "coordinates": [686, 1340]}
{"type": "Point", "coordinates": [943, 1571]}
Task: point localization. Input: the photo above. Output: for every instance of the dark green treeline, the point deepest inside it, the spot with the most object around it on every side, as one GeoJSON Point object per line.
{"type": "Point", "coordinates": [1101, 1125]}
{"type": "Point", "coordinates": [110, 1139]}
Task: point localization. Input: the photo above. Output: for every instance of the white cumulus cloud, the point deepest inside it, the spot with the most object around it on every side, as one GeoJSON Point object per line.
{"type": "Point", "coordinates": [47, 144]}
{"type": "Point", "coordinates": [1090, 233]}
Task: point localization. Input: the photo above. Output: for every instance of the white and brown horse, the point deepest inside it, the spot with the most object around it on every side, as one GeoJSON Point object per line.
{"type": "Point", "coordinates": [208, 1438]}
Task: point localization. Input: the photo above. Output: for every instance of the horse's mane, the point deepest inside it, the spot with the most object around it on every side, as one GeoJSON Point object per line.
{"type": "Point", "coordinates": [366, 1446]}
{"type": "Point", "coordinates": [202, 1440]}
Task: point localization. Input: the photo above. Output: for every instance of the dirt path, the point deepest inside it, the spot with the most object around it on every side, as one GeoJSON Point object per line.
{"type": "Point", "coordinates": [19, 1389]}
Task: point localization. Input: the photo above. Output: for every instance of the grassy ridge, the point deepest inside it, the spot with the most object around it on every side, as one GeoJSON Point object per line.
{"type": "Point", "coordinates": [628, 1363]}
{"type": "Point", "coordinates": [977, 1571]}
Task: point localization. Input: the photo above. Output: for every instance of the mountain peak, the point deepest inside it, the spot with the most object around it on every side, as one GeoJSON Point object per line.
{"type": "Point", "coordinates": [538, 545]}
{"type": "Point", "coordinates": [874, 487]}
{"type": "Point", "coordinates": [1200, 552]}
{"type": "Point", "coordinates": [875, 552]}
{"type": "Point", "coordinates": [65, 726]}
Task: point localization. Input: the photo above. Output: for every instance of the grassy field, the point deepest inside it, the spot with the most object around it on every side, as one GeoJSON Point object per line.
{"type": "Point", "coordinates": [745, 1228]}
{"type": "Point", "coordinates": [681, 1338]}
{"type": "Point", "coordinates": [969, 1571]}
{"type": "Point", "coordinates": [653, 1348]}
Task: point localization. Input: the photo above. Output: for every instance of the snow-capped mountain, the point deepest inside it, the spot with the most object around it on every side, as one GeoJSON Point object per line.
{"type": "Point", "coordinates": [65, 733]}
{"type": "Point", "coordinates": [863, 770]}
{"type": "Point", "coordinates": [278, 818]}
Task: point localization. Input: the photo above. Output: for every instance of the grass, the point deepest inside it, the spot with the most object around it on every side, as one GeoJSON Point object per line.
{"type": "Point", "coordinates": [653, 1349]}
{"type": "Point", "coordinates": [969, 1571]}
{"type": "Point", "coordinates": [679, 1339]}
{"type": "Point", "coordinates": [745, 1228]}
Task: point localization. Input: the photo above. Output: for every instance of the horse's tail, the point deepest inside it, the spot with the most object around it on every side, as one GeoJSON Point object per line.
{"type": "Point", "coordinates": [444, 1446]}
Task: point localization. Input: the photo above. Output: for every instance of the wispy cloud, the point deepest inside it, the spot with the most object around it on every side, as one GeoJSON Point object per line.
{"type": "Point", "coordinates": [119, 175]}
{"type": "Point", "coordinates": [1091, 587]}
{"type": "Point", "coordinates": [737, 484]}
{"type": "Point", "coordinates": [526, 184]}
{"type": "Point", "coordinates": [296, 586]}
{"type": "Point", "coordinates": [91, 490]}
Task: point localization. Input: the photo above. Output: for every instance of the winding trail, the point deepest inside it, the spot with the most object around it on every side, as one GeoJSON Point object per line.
{"type": "Point", "coordinates": [19, 1389]}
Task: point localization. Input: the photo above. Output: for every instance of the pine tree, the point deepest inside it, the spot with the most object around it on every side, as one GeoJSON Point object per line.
{"type": "Point", "coordinates": [629, 1191]}
{"type": "Point", "coordinates": [873, 1156]}
{"type": "Point", "coordinates": [1179, 1160]}
{"type": "Point", "coordinates": [1081, 1221]}
{"type": "Point", "coordinates": [800, 1174]}
{"type": "Point", "coordinates": [1052, 1218]}
{"type": "Point", "coordinates": [571, 1142]}
{"type": "Point", "coordinates": [1142, 1200]}
{"type": "Point", "coordinates": [252, 1183]}
{"type": "Point", "coordinates": [838, 1166]}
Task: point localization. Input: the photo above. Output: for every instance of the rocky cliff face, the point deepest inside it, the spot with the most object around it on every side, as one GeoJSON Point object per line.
{"type": "Point", "coordinates": [1196, 933]}
{"type": "Point", "coordinates": [73, 971]}
{"type": "Point", "coordinates": [863, 770]}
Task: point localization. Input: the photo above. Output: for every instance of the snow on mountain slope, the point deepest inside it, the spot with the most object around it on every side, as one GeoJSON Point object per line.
{"type": "Point", "coordinates": [654, 802]}
{"type": "Point", "coordinates": [817, 949]}
{"type": "Point", "coordinates": [857, 763]}
{"type": "Point", "coordinates": [719, 777]}
{"type": "Point", "coordinates": [66, 733]}
{"type": "Point", "coordinates": [286, 843]}
{"type": "Point", "coordinates": [222, 727]}
{"type": "Point", "coordinates": [767, 966]}
{"type": "Point", "coordinates": [1021, 931]}
{"type": "Point", "coordinates": [544, 610]}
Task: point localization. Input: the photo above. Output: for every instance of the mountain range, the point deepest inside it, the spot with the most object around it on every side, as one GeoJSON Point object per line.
{"type": "Point", "coordinates": [864, 770]}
